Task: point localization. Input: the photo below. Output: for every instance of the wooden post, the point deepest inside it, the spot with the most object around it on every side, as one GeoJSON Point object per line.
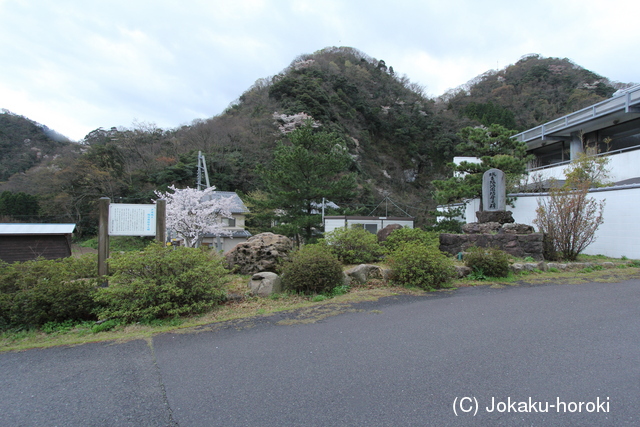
{"type": "Point", "coordinates": [161, 221]}
{"type": "Point", "coordinates": [103, 239]}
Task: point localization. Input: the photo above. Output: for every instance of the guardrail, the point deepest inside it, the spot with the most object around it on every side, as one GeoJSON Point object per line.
{"type": "Point", "coordinates": [625, 101]}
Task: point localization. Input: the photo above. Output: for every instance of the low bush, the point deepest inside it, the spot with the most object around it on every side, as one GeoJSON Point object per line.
{"type": "Point", "coordinates": [490, 262]}
{"type": "Point", "coordinates": [314, 269]}
{"type": "Point", "coordinates": [417, 265]}
{"type": "Point", "coordinates": [161, 282]}
{"type": "Point", "coordinates": [354, 245]}
{"type": "Point", "coordinates": [107, 325]}
{"type": "Point", "coordinates": [34, 293]}
{"type": "Point", "coordinates": [448, 225]}
{"type": "Point", "coordinates": [120, 243]}
{"type": "Point", "coordinates": [402, 236]}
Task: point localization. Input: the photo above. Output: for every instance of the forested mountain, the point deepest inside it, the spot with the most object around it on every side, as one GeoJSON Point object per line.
{"type": "Point", "coordinates": [533, 91]}
{"type": "Point", "coordinates": [399, 139]}
{"type": "Point", "coordinates": [25, 143]}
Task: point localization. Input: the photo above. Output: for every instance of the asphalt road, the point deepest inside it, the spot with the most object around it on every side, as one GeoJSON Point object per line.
{"type": "Point", "coordinates": [566, 355]}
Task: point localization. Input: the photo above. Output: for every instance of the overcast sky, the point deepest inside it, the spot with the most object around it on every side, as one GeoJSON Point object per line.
{"type": "Point", "coordinates": [76, 65]}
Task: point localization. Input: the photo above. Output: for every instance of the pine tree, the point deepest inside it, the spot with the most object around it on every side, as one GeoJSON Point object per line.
{"type": "Point", "coordinates": [313, 165]}
{"type": "Point", "coordinates": [495, 148]}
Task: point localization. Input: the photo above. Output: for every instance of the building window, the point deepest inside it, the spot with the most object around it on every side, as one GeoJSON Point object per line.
{"type": "Point", "coordinates": [550, 154]}
{"type": "Point", "coordinates": [622, 136]}
{"type": "Point", "coordinates": [229, 222]}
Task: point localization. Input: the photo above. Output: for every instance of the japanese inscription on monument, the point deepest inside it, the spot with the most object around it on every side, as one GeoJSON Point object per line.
{"type": "Point", "coordinates": [494, 195]}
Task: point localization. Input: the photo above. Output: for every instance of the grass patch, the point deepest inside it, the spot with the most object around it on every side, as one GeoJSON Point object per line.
{"type": "Point", "coordinates": [479, 279]}
{"type": "Point", "coordinates": [596, 258]}
{"type": "Point", "coordinates": [586, 275]}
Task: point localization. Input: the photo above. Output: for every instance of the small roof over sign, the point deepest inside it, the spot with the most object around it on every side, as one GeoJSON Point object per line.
{"type": "Point", "coordinates": [13, 229]}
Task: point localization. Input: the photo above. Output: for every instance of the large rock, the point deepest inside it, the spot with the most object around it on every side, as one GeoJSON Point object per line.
{"type": "Point", "coordinates": [265, 283]}
{"type": "Point", "coordinates": [363, 273]}
{"type": "Point", "coordinates": [503, 217]}
{"type": "Point", "coordinates": [481, 228]}
{"type": "Point", "coordinates": [518, 245]}
{"type": "Point", "coordinates": [261, 252]}
{"type": "Point", "coordinates": [385, 232]}
{"type": "Point", "coordinates": [514, 228]}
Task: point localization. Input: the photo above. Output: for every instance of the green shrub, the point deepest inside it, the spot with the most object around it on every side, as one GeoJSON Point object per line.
{"type": "Point", "coordinates": [354, 245]}
{"type": "Point", "coordinates": [54, 301]}
{"type": "Point", "coordinates": [58, 327]}
{"type": "Point", "coordinates": [34, 293]}
{"type": "Point", "coordinates": [403, 236]}
{"type": "Point", "coordinates": [107, 325]}
{"type": "Point", "coordinates": [162, 282]}
{"type": "Point", "coordinates": [448, 225]}
{"type": "Point", "coordinates": [490, 262]}
{"type": "Point", "coordinates": [417, 265]}
{"type": "Point", "coordinates": [120, 243]}
{"type": "Point", "coordinates": [312, 269]}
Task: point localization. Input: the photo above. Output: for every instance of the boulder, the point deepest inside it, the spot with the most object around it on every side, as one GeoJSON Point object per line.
{"type": "Point", "coordinates": [517, 245]}
{"type": "Point", "coordinates": [481, 228]}
{"type": "Point", "coordinates": [384, 233]}
{"type": "Point", "coordinates": [262, 252]}
{"type": "Point", "coordinates": [514, 228]}
{"type": "Point", "coordinates": [265, 283]}
{"type": "Point", "coordinates": [363, 273]}
{"type": "Point", "coordinates": [503, 217]}
{"type": "Point", "coordinates": [556, 265]}
{"type": "Point", "coordinates": [462, 271]}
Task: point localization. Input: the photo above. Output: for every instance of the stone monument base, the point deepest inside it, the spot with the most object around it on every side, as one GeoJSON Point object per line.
{"type": "Point", "coordinates": [503, 217]}
{"type": "Point", "coordinates": [517, 245]}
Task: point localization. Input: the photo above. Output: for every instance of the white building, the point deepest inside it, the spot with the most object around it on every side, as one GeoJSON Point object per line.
{"type": "Point", "coordinates": [556, 143]}
{"type": "Point", "coordinates": [370, 223]}
{"type": "Point", "coordinates": [235, 225]}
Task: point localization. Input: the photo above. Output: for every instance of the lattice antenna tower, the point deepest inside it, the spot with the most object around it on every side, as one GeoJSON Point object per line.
{"type": "Point", "coordinates": [202, 171]}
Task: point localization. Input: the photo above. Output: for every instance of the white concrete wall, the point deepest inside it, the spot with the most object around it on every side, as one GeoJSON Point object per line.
{"type": "Point", "coordinates": [618, 236]}
{"type": "Point", "coordinates": [459, 159]}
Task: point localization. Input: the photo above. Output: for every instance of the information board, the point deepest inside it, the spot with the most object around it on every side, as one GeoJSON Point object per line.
{"type": "Point", "coordinates": [132, 220]}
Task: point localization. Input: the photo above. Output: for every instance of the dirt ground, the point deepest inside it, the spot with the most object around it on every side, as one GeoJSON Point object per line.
{"type": "Point", "coordinates": [77, 250]}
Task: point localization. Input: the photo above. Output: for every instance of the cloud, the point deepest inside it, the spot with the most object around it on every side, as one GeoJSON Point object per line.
{"type": "Point", "coordinates": [76, 66]}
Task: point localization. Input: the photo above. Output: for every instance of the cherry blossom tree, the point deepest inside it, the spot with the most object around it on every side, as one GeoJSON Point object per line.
{"type": "Point", "coordinates": [192, 213]}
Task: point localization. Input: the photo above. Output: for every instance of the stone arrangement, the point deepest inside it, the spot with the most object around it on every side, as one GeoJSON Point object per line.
{"type": "Point", "coordinates": [496, 226]}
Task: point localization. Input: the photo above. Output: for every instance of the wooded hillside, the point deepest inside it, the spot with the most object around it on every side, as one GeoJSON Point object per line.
{"type": "Point", "coordinates": [399, 139]}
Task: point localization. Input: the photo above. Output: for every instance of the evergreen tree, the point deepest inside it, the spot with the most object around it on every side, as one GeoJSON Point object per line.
{"type": "Point", "coordinates": [495, 148]}
{"type": "Point", "coordinates": [312, 166]}
{"type": "Point", "coordinates": [22, 207]}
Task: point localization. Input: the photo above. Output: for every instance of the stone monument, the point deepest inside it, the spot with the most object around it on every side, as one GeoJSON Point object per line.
{"type": "Point", "coordinates": [494, 190]}
{"type": "Point", "coordinates": [494, 198]}
{"type": "Point", "coordinates": [496, 226]}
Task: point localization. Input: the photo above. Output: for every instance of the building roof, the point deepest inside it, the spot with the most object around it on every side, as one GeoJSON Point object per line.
{"type": "Point", "coordinates": [369, 218]}
{"type": "Point", "coordinates": [622, 107]}
{"type": "Point", "coordinates": [234, 234]}
{"type": "Point", "coordinates": [239, 206]}
{"type": "Point", "coordinates": [13, 229]}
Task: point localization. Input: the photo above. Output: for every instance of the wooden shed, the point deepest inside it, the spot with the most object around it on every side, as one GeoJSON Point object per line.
{"type": "Point", "coordinates": [24, 242]}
